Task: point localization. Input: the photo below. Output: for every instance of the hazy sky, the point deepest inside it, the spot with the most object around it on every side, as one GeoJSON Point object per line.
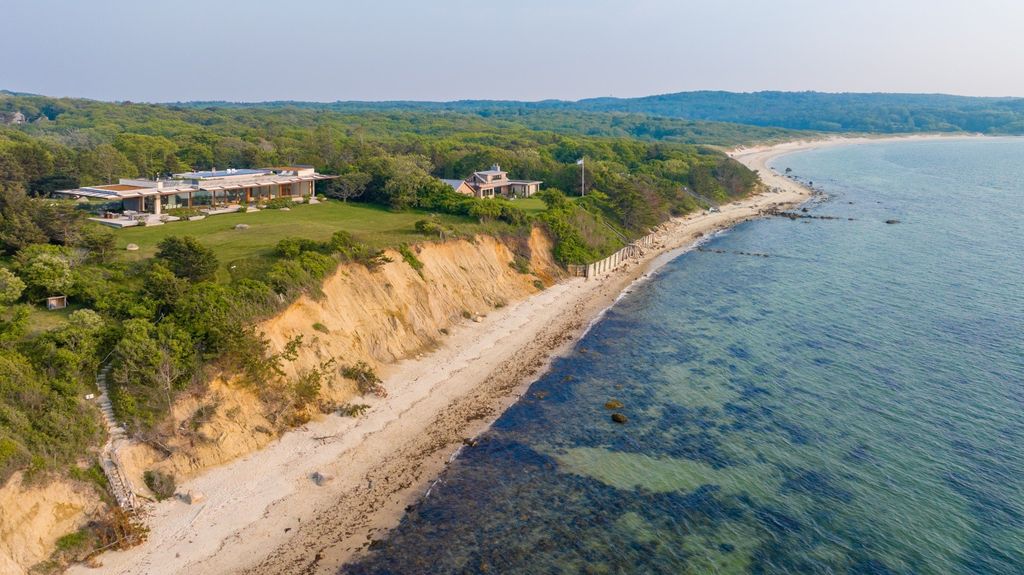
{"type": "Point", "coordinates": [167, 50]}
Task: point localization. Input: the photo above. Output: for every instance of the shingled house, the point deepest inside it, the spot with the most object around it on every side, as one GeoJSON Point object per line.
{"type": "Point", "coordinates": [494, 182]}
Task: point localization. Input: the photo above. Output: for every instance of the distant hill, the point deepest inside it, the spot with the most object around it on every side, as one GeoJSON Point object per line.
{"type": "Point", "coordinates": [696, 117]}
{"type": "Point", "coordinates": [817, 111]}
{"type": "Point", "coordinates": [831, 112]}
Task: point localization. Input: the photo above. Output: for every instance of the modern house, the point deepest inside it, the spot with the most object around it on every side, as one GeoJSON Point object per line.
{"type": "Point", "coordinates": [205, 189]}
{"type": "Point", "coordinates": [494, 182]}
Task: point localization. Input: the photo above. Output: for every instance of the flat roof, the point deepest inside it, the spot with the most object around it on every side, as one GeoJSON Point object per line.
{"type": "Point", "coordinates": [117, 187]}
{"type": "Point", "coordinates": [220, 173]}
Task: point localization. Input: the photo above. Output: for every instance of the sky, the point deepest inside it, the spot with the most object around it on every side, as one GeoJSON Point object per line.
{"type": "Point", "coordinates": [321, 50]}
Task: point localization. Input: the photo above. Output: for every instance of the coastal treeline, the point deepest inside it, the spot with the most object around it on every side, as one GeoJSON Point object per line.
{"type": "Point", "coordinates": [166, 324]}
{"type": "Point", "coordinates": [691, 114]}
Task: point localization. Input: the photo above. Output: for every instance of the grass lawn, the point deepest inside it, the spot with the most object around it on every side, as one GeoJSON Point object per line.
{"type": "Point", "coordinates": [41, 320]}
{"type": "Point", "coordinates": [376, 226]}
{"type": "Point", "coordinates": [531, 206]}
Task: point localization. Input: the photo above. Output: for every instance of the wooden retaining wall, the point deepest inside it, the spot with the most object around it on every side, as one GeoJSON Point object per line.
{"type": "Point", "coordinates": [632, 251]}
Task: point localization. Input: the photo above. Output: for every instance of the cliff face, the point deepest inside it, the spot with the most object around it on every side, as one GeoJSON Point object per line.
{"type": "Point", "coordinates": [394, 312]}
{"type": "Point", "coordinates": [377, 317]}
{"type": "Point", "coordinates": [33, 517]}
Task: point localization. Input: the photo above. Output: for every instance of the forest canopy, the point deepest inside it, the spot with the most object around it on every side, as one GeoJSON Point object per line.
{"type": "Point", "coordinates": [165, 320]}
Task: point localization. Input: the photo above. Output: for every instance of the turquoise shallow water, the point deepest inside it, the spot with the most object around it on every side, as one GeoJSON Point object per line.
{"type": "Point", "coordinates": [851, 404]}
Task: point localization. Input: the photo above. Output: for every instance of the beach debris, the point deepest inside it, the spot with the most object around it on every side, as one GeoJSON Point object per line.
{"type": "Point", "coordinates": [321, 478]}
{"type": "Point", "coordinates": [619, 418]}
{"type": "Point", "coordinates": [192, 497]}
{"type": "Point", "coordinates": [132, 247]}
{"type": "Point", "coordinates": [892, 221]}
{"type": "Point", "coordinates": [241, 226]}
{"type": "Point", "coordinates": [613, 404]}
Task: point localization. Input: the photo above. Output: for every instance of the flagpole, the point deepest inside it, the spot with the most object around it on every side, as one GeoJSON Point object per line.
{"type": "Point", "coordinates": [583, 177]}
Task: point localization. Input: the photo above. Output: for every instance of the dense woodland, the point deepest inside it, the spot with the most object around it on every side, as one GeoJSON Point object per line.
{"type": "Point", "coordinates": [168, 322]}
{"type": "Point", "coordinates": [685, 115]}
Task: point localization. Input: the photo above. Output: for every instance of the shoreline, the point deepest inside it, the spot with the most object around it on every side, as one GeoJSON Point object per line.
{"type": "Point", "coordinates": [263, 514]}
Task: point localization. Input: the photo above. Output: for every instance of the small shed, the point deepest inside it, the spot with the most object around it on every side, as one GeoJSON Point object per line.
{"type": "Point", "coordinates": [57, 302]}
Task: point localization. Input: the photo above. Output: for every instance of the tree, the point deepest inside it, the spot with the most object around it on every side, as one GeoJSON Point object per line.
{"type": "Point", "coordinates": [485, 210]}
{"type": "Point", "coordinates": [104, 164]}
{"type": "Point", "coordinates": [46, 185]}
{"type": "Point", "coordinates": [405, 176]}
{"type": "Point", "coordinates": [235, 153]}
{"type": "Point", "coordinates": [163, 286]}
{"type": "Point", "coordinates": [11, 287]}
{"type": "Point", "coordinates": [150, 154]}
{"type": "Point", "coordinates": [45, 269]}
{"type": "Point", "coordinates": [60, 221]}
{"type": "Point", "coordinates": [553, 199]}
{"type": "Point", "coordinates": [350, 185]}
{"type": "Point", "coordinates": [18, 227]}
{"type": "Point", "coordinates": [98, 241]}
{"type": "Point", "coordinates": [187, 258]}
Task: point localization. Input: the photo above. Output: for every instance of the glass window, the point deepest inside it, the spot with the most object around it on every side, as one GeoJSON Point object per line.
{"type": "Point", "coordinates": [201, 198]}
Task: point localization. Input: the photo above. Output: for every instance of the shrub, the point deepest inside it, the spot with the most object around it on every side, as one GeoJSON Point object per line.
{"type": "Point", "coordinates": [520, 264]}
{"type": "Point", "coordinates": [341, 241]}
{"type": "Point", "coordinates": [187, 258]}
{"type": "Point", "coordinates": [352, 410]}
{"type": "Point", "coordinates": [278, 203]}
{"type": "Point", "coordinates": [73, 541]}
{"type": "Point", "coordinates": [367, 380]}
{"type": "Point", "coordinates": [345, 245]}
{"type": "Point", "coordinates": [184, 213]}
{"type": "Point", "coordinates": [485, 210]}
{"type": "Point", "coordinates": [307, 387]}
{"type": "Point", "coordinates": [321, 328]}
{"type": "Point", "coordinates": [410, 258]}
{"type": "Point", "coordinates": [433, 228]}
{"type": "Point", "coordinates": [292, 247]}
{"type": "Point", "coordinates": [11, 287]}
{"type": "Point", "coordinates": [160, 483]}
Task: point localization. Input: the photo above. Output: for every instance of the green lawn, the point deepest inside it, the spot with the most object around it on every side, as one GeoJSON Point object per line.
{"type": "Point", "coordinates": [530, 205]}
{"type": "Point", "coordinates": [373, 225]}
{"type": "Point", "coordinates": [41, 320]}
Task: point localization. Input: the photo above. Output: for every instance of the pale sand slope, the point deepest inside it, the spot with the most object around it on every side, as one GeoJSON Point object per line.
{"type": "Point", "coordinates": [263, 514]}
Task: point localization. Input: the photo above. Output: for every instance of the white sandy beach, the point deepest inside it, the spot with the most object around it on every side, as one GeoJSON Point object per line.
{"type": "Point", "coordinates": [263, 513]}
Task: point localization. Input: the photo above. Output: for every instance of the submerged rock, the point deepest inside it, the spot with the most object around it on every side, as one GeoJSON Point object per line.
{"type": "Point", "coordinates": [613, 404]}
{"type": "Point", "coordinates": [619, 418]}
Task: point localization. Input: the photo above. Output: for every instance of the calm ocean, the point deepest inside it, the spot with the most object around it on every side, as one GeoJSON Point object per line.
{"type": "Point", "coordinates": [853, 403]}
